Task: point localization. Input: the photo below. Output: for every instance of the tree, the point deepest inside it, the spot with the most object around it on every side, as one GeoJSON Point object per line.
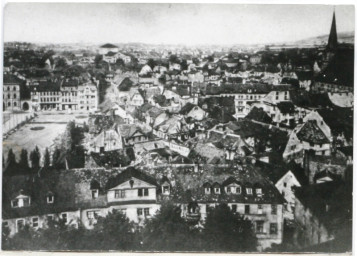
{"type": "Point", "coordinates": [35, 157]}
{"type": "Point", "coordinates": [24, 160]}
{"type": "Point", "coordinates": [61, 63]}
{"type": "Point", "coordinates": [225, 230]}
{"type": "Point", "coordinates": [11, 159]}
{"type": "Point", "coordinates": [11, 167]}
{"type": "Point", "coordinates": [167, 231]}
{"type": "Point", "coordinates": [151, 63]}
{"type": "Point", "coordinates": [98, 58]}
{"type": "Point", "coordinates": [46, 160]}
{"type": "Point", "coordinates": [173, 59]}
{"type": "Point", "coordinates": [56, 158]}
{"type": "Point", "coordinates": [114, 232]}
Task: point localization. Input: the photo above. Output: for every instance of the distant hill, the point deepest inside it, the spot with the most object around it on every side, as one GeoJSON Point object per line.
{"type": "Point", "coordinates": [343, 37]}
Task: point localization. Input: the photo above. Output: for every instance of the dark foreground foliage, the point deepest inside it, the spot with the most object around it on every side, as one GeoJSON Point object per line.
{"type": "Point", "coordinates": [166, 231]}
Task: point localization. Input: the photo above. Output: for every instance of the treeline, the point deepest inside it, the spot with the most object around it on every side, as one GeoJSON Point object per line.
{"type": "Point", "coordinates": [69, 154]}
{"type": "Point", "coordinates": [223, 231]}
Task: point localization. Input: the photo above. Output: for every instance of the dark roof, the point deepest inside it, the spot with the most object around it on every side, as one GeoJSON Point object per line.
{"type": "Point", "coordinates": [347, 151]}
{"type": "Point", "coordinates": [11, 79]}
{"type": "Point", "coordinates": [109, 46]}
{"type": "Point", "coordinates": [127, 175]}
{"type": "Point", "coordinates": [304, 75]}
{"type": "Point", "coordinates": [45, 86]}
{"type": "Point", "coordinates": [187, 108]}
{"type": "Point", "coordinates": [305, 99]}
{"type": "Point", "coordinates": [340, 120]}
{"type": "Point", "coordinates": [340, 70]}
{"type": "Point", "coordinates": [110, 159]}
{"type": "Point", "coordinates": [286, 107]}
{"type": "Point", "coordinates": [334, 194]}
{"type": "Point", "coordinates": [311, 132]}
{"type": "Point", "coordinates": [258, 114]}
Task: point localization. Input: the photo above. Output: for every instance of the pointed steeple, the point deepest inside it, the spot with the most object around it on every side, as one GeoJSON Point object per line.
{"type": "Point", "coordinates": [332, 40]}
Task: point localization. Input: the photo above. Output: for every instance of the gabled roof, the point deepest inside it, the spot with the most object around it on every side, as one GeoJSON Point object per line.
{"type": "Point", "coordinates": [127, 175]}
{"type": "Point", "coordinates": [258, 114]}
{"type": "Point", "coordinates": [311, 132]}
{"type": "Point", "coordinates": [286, 107]}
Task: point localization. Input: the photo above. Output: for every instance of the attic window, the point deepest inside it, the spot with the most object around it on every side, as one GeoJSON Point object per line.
{"type": "Point", "coordinates": [258, 191]}
{"type": "Point", "coordinates": [217, 190]}
{"type": "Point", "coordinates": [166, 190]}
{"type": "Point", "coordinates": [21, 201]}
{"type": "Point", "coordinates": [50, 199]}
{"type": "Point", "coordinates": [95, 193]}
{"type": "Point", "coordinates": [207, 191]}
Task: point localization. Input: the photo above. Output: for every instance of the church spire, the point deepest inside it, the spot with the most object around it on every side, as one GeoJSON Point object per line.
{"type": "Point", "coordinates": [332, 40]}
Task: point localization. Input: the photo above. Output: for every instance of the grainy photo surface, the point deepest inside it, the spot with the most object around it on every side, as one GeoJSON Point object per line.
{"type": "Point", "coordinates": [177, 127]}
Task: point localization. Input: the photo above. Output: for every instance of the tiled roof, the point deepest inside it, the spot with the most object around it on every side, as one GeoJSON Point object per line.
{"type": "Point", "coordinates": [286, 107]}
{"type": "Point", "coordinates": [258, 114]}
{"type": "Point", "coordinates": [311, 132]}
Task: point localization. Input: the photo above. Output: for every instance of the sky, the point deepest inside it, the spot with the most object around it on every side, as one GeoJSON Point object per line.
{"type": "Point", "coordinates": [170, 23]}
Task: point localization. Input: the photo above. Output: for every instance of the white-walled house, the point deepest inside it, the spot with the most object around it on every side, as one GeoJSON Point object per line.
{"type": "Point", "coordinates": [306, 137]}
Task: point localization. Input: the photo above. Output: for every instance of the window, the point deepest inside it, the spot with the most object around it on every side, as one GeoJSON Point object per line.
{"type": "Point", "coordinates": [247, 209]}
{"type": "Point", "coordinates": [285, 184]}
{"type": "Point", "coordinates": [238, 190]}
{"type": "Point", "coordinates": [249, 191]}
{"type": "Point", "coordinates": [35, 222]}
{"type": "Point", "coordinates": [147, 211]}
{"type": "Point", "coordinates": [95, 193]}
{"type": "Point", "coordinates": [258, 191]}
{"type": "Point", "coordinates": [15, 104]}
{"type": "Point", "coordinates": [234, 207]}
{"type": "Point", "coordinates": [50, 199]}
{"type": "Point", "coordinates": [15, 203]}
{"type": "Point", "coordinates": [273, 228]}
{"type": "Point", "coordinates": [50, 217]}
{"type": "Point", "coordinates": [228, 189]}
{"type": "Point", "coordinates": [140, 211]}
{"type": "Point", "coordinates": [293, 147]}
{"type": "Point", "coordinates": [20, 224]}
{"type": "Point", "coordinates": [119, 193]}
{"type": "Point", "coordinates": [166, 189]}
{"type": "Point", "coordinates": [217, 190]}
{"type": "Point", "coordinates": [92, 214]}
{"type": "Point", "coordinates": [64, 217]}
{"type": "Point", "coordinates": [143, 192]}
{"type": "Point", "coordinates": [260, 226]}
{"type": "Point", "coordinates": [274, 209]}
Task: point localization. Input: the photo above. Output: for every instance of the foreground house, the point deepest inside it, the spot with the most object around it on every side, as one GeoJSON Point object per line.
{"type": "Point", "coordinates": [323, 212]}
{"type": "Point", "coordinates": [80, 196]}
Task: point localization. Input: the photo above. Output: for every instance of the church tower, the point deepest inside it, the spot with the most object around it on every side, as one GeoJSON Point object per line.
{"type": "Point", "coordinates": [332, 39]}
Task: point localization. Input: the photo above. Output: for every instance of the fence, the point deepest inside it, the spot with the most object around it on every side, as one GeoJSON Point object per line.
{"type": "Point", "coordinates": [11, 120]}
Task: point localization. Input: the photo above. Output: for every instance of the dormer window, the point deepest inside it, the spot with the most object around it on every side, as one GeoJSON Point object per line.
{"type": "Point", "coordinates": [249, 191]}
{"type": "Point", "coordinates": [95, 193]}
{"type": "Point", "coordinates": [207, 191]}
{"type": "Point", "coordinates": [50, 199]}
{"type": "Point", "coordinates": [166, 190]}
{"type": "Point", "coordinates": [21, 201]}
{"type": "Point", "coordinates": [258, 191]}
{"type": "Point", "coordinates": [217, 190]}
{"type": "Point", "coordinates": [94, 187]}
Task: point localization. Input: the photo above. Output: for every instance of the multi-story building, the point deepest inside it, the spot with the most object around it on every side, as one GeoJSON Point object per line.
{"type": "Point", "coordinates": [11, 93]}
{"type": "Point", "coordinates": [83, 195]}
{"type": "Point", "coordinates": [46, 95]}
{"type": "Point", "coordinates": [64, 95]}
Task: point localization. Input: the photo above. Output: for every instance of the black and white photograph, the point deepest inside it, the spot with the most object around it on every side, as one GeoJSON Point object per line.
{"type": "Point", "coordinates": [177, 127]}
